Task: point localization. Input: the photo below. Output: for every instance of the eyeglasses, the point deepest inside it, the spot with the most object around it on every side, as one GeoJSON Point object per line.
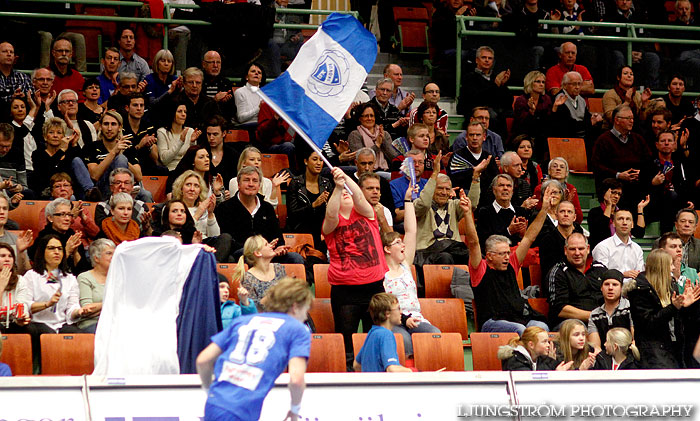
{"type": "Point", "coordinates": [434, 91]}
{"type": "Point", "coordinates": [118, 183]}
{"type": "Point", "coordinates": [68, 101]}
{"type": "Point", "coordinates": [615, 193]}
{"type": "Point", "coordinates": [62, 186]}
{"type": "Point", "coordinates": [62, 214]}
{"type": "Point", "coordinates": [54, 248]}
{"type": "Point", "coordinates": [43, 79]}
{"type": "Point", "coordinates": [500, 253]}
{"type": "Point", "coordinates": [193, 82]}
{"type": "Point", "coordinates": [383, 90]}
{"type": "Point", "coordinates": [212, 61]}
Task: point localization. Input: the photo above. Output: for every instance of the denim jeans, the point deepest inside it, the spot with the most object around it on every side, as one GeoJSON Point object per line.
{"type": "Point", "coordinates": [505, 326]}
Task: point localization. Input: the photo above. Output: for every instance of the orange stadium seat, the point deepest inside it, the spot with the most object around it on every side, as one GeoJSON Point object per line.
{"type": "Point", "coordinates": [322, 315]}
{"type": "Point", "coordinates": [358, 339]}
{"type": "Point", "coordinates": [595, 105]}
{"type": "Point", "coordinates": [484, 348]}
{"type": "Point", "coordinates": [697, 229]}
{"type": "Point", "coordinates": [293, 239]}
{"type": "Point", "coordinates": [436, 351]}
{"type": "Point", "coordinates": [540, 305]}
{"type": "Point", "coordinates": [69, 354]}
{"type": "Point", "coordinates": [17, 353]}
{"type": "Point", "coordinates": [27, 214]}
{"type": "Point", "coordinates": [438, 279]}
{"type": "Point", "coordinates": [295, 270]}
{"type": "Point", "coordinates": [447, 314]}
{"type": "Point", "coordinates": [572, 149]}
{"type": "Point", "coordinates": [412, 24]}
{"type": "Point", "coordinates": [281, 212]}
{"type": "Point", "coordinates": [323, 288]}
{"type": "Point", "coordinates": [156, 185]}
{"type": "Point", "coordinates": [237, 136]}
{"type": "Point", "coordinates": [327, 353]}
{"type": "Point", "coordinates": [272, 163]}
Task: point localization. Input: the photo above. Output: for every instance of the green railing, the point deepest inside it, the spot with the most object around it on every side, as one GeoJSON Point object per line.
{"type": "Point", "coordinates": [631, 28]}
{"type": "Point", "coordinates": [166, 20]}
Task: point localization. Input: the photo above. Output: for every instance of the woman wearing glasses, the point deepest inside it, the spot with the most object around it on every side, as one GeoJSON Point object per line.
{"type": "Point", "coordinates": [55, 294]}
{"type": "Point", "coordinates": [59, 217]}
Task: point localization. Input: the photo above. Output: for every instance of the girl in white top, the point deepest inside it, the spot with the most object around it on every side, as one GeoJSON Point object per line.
{"type": "Point", "coordinates": [15, 294]}
{"type": "Point", "coordinates": [174, 141]}
{"type": "Point", "coordinates": [399, 281]}
{"type": "Point", "coordinates": [252, 157]}
{"type": "Point", "coordinates": [247, 101]}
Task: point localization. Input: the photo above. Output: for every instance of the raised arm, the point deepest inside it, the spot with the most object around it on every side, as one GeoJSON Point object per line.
{"type": "Point", "coordinates": [330, 222]}
{"type": "Point", "coordinates": [472, 238]}
{"type": "Point", "coordinates": [410, 226]}
{"type": "Point", "coordinates": [359, 201]}
{"type": "Point", "coordinates": [534, 229]}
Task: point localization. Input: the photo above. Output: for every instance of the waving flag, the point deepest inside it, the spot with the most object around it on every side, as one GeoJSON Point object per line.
{"type": "Point", "coordinates": [314, 93]}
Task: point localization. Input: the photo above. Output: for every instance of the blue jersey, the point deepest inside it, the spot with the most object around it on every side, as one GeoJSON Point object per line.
{"type": "Point", "coordinates": [378, 351]}
{"type": "Point", "coordinates": [5, 370]}
{"type": "Point", "coordinates": [256, 350]}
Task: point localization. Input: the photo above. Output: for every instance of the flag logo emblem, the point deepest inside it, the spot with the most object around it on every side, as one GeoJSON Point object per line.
{"type": "Point", "coordinates": [330, 74]}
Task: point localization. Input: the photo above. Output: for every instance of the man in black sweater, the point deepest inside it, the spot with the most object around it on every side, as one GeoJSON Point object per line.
{"type": "Point", "coordinates": [574, 290]}
{"type": "Point", "coordinates": [247, 214]}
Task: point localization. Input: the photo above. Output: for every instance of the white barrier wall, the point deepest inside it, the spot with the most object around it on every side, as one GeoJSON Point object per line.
{"type": "Point", "coordinates": [369, 397]}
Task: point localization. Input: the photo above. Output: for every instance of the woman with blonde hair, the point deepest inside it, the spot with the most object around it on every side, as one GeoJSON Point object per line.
{"type": "Point", "coordinates": [532, 351]}
{"type": "Point", "coordinates": [620, 351]}
{"type": "Point", "coordinates": [531, 112]}
{"type": "Point", "coordinates": [657, 311]}
{"type": "Point", "coordinates": [262, 274]}
{"type": "Point", "coordinates": [573, 346]}
{"type": "Point", "coordinates": [191, 188]}
{"type": "Point", "coordinates": [251, 156]}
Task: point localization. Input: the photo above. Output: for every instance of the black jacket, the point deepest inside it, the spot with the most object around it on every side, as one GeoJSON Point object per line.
{"type": "Point", "coordinates": [302, 217]}
{"type": "Point", "coordinates": [568, 286]}
{"type": "Point", "coordinates": [513, 359]}
{"type": "Point", "coordinates": [603, 361]}
{"type": "Point", "coordinates": [652, 332]}
{"type": "Point", "coordinates": [235, 219]}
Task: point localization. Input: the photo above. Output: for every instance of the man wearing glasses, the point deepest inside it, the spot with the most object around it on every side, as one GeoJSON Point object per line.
{"type": "Point", "coordinates": [431, 93]}
{"type": "Point", "coordinates": [66, 77]}
{"type": "Point", "coordinates": [619, 153]}
{"type": "Point", "coordinates": [121, 180]}
{"type": "Point", "coordinates": [68, 109]}
{"type": "Point", "coordinates": [498, 303]}
{"type": "Point", "coordinates": [216, 86]}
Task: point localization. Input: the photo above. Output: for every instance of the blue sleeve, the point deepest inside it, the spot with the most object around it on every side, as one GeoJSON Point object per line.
{"type": "Point", "coordinates": [300, 344]}
{"type": "Point", "coordinates": [387, 350]}
{"type": "Point", "coordinates": [397, 194]}
{"type": "Point", "coordinates": [224, 338]}
{"type": "Point", "coordinates": [249, 309]}
{"type": "Point", "coordinates": [5, 370]}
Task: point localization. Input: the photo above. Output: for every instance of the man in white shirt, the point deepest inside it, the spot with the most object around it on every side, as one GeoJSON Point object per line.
{"type": "Point", "coordinates": [619, 251]}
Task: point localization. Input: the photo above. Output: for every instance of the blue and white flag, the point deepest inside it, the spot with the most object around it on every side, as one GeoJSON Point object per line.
{"type": "Point", "coordinates": [314, 93]}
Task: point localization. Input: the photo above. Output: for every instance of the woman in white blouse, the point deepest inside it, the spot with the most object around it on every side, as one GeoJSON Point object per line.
{"type": "Point", "coordinates": [191, 188]}
{"type": "Point", "coordinates": [55, 295]}
{"type": "Point", "coordinates": [174, 141]}
{"type": "Point", "coordinates": [247, 101]}
{"type": "Point", "coordinates": [15, 296]}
